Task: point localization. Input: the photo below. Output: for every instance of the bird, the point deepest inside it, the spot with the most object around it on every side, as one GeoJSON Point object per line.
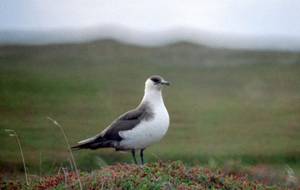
{"type": "Point", "coordinates": [138, 128]}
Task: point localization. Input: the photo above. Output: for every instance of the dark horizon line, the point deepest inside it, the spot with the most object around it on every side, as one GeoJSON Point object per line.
{"type": "Point", "coordinates": [150, 39]}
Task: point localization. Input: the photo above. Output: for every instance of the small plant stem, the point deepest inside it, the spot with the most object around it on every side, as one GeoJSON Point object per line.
{"type": "Point", "coordinates": [22, 155]}
{"type": "Point", "coordinates": [40, 168]}
{"type": "Point", "coordinates": [69, 149]}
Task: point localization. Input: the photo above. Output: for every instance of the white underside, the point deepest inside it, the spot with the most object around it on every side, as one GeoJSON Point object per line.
{"type": "Point", "coordinates": [148, 131]}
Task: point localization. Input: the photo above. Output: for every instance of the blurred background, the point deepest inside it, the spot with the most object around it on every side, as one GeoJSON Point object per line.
{"type": "Point", "coordinates": [234, 68]}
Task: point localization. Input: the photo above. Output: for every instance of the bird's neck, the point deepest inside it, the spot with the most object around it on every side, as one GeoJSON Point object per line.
{"type": "Point", "coordinates": [153, 97]}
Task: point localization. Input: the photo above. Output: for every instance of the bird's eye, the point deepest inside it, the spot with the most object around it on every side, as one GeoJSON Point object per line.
{"type": "Point", "coordinates": [156, 80]}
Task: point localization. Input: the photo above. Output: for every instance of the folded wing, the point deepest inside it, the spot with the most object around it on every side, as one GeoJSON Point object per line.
{"type": "Point", "coordinates": [110, 137]}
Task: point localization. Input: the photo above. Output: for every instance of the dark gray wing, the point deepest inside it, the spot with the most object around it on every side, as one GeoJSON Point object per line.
{"type": "Point", "coordinates": [125, 122]}
{"type": "Point", "coordinates": [110, 135]}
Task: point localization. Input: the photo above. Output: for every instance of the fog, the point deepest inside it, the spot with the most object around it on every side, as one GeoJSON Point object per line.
{"type": "Point", "coordinates": [251, 24]}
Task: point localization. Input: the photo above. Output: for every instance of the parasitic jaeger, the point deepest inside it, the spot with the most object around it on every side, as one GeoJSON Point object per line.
{"type": "Point", "coordinates": [138, 128]}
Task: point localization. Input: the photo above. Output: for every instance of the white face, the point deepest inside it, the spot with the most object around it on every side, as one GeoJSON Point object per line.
{"type": "Point", "coordinates": [155, 83]}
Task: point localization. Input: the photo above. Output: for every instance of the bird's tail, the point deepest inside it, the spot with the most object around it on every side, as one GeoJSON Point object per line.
{"type": "Point", "coordinates": [93, 143]}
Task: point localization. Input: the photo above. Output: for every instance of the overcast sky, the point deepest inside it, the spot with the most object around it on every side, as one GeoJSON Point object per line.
{"type": "Point", "coordinates": [278, 17]}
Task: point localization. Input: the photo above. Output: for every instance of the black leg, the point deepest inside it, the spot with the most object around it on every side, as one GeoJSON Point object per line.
{"type": "Point", "coordinates": [142, 155]}
{"type": "Point", "coordinates": [133, 155]}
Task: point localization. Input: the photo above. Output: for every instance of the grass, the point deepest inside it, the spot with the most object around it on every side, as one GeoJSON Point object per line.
{"type": "Point", "coordinates": [225, 105]}
{"type": "Point", "coordinates": [72, 159]}
{"type": "Point", "coordinates": [14, 134]}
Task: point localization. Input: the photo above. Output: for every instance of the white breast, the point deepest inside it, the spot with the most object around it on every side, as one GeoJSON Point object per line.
{"type": "Point", "coordinates": [148, 131]}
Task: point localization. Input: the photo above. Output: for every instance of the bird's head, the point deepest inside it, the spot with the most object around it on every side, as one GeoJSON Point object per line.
{"type": "Point", "coordinates": [155, 82]}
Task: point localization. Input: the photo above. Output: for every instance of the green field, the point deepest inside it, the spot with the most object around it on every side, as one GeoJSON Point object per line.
{"type": "Point", "coordinates": [225, 105]}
